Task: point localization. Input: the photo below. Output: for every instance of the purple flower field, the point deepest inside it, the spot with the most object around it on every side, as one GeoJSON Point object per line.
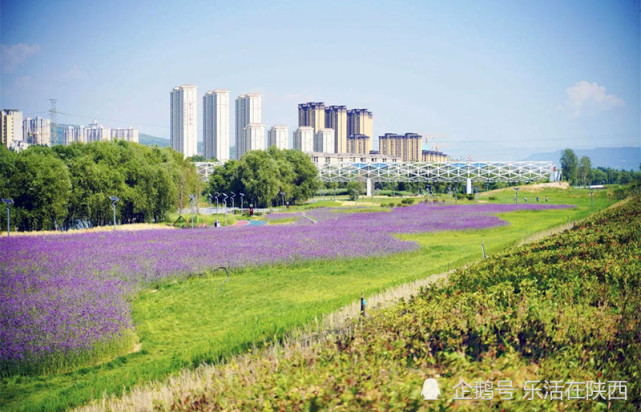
{"type": "Point", "coordinates": [62, 294]}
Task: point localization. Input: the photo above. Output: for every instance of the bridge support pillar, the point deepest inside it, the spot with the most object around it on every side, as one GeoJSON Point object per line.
{"type": "Point", "coordinates": [370, 186]}
{"type": "Point", "coordinates": [469, 186]}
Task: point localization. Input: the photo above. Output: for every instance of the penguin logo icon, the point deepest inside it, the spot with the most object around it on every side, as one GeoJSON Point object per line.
{"type": "Point", "coordinates": [430, 390]}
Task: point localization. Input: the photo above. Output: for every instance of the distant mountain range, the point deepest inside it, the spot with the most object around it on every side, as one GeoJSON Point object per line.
{"type": "Point", "coordinates": [149, 140]}
{"type": "Point", "coordinates": [625, 158]}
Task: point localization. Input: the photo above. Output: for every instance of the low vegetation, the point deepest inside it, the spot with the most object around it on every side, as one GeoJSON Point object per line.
{"type": "Point", "coordinates": [564, 311]}
{"type": "Point", "coordinates": [178, 325]}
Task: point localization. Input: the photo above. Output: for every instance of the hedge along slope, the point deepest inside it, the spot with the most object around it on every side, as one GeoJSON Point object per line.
{"type": "Point", "coordinates": [566, 309]}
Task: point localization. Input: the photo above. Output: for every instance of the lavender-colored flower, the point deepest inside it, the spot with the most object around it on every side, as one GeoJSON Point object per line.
{"type": "Point", "coordinates": [64, 294]}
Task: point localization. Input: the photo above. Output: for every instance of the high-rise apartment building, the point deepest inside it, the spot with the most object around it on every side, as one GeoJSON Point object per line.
{"type": "Point", "coordinates": [324, 141]}
{"type": "Point", "coordinates": [434, 156]}
{"type": "Point", "coordinates": [248, 110]}
{"type": "Point", "coordinates": [73, 134]}
{"type": "Point", "coordinates": [216, 125]}
{"type": "Point", "coordinates": [95, 132]}
{"type": "Point", "coordinates": [312, 114]}
{"type": "Point", "coordinates": [129, 134]}
{"type": "Point", "coordinates": [359, 143]}
{"type": "Point", "coordinates": [254, 135]}
{"type": "Point", "coordinates": [37, 131]}
{"type": "Point", "coordinates": [279, 136]}
{"type": "Point", "coordinates": [304, 139]}
{"type": "Point", "coordinates": [184, 132]}
{"type": "Point", "coordinates": [359, 122]}
{"type": "Point", "coordinates": [408, 147]}
{"type": "Point", "coordinates": [336, 118]}
{"type": "Point", "coordinates": [11, 126]}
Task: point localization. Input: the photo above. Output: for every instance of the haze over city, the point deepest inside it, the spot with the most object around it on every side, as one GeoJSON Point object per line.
{"type": "Point", "coordinates": [493, 80]}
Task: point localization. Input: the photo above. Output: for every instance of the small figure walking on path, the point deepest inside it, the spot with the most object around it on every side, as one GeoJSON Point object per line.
{"type": "Point", "coordinates": [363, 304]}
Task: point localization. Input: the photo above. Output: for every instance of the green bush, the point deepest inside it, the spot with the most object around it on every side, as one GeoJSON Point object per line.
{"type": "Point", "coordinates": [492, 198]}
{"type": "Point", "coordinates": [567, 308]}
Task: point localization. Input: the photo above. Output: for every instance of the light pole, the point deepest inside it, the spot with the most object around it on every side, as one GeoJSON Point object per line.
{"type": "Point", "coordinates": [282, 195]}
{"type": "Point", "coordinates": [211, 200]}
{"type": "Point", "coordinates": [233, 195]}
{"type": "Point", "coordinates": [114, 200]}
{"type": "Point", "coordinates": [242, 195]}
{"type": "Point", "coordinates": [192, 201]}
{"type": "Point", "coordinates": [8, 202]}
{"type": "Point", "coordinates": [217, 195]}
{"type": "Point", "coordinates": [516, 195]}
{"type": "Point", "coordinates": [456, 195]}
{"type": "Point", "coordinates": [225, 211]}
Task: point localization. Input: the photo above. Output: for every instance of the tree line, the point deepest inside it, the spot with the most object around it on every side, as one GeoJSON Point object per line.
{"type": "Point", "coordinates": [580, 172]}
{"type": "Point", "coordinates": [65, 186]}
{"type": "Point", "coordinates": [263, 175]}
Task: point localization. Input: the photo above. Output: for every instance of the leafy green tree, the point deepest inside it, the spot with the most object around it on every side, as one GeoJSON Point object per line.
{"type": "Point", "coordinates": [569, 165]}
{"type": "Point", "coordinates": [41, 189]}
{"type": "Point", "coordinates": [354, 189]}
{"type": "Point", "coordinates": [224, 179]}
{"type": "Point", "coordinates": [598, 177]}
{"type": "Point", "coordinates": [304, 179]}
{"type": "Point", "coordinates": [260, 177]}
{"type": "Point", "coordinates": [584, 170]}
{"type": "Point", "coordinates": [7, 169]}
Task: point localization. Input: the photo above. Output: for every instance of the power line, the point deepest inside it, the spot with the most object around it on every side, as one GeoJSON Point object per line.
{"type": "Point", "coordinates": [111, 120]}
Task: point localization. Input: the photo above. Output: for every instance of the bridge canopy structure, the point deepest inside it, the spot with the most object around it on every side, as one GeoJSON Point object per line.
{"type": "Point", "coordinates": [450, 172]}
{"type": "Point", "coordinates": [457, 171]}
{"type": "Point", "coordinates": [205, 169]}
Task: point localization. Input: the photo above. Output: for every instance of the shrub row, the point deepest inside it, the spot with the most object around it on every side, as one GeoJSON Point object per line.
{"type": "Point", "coordinates": [567, 308]}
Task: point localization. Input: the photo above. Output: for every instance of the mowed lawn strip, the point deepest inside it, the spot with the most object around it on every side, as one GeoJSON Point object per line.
{"type": "Point", "coordinates": [183, 323]}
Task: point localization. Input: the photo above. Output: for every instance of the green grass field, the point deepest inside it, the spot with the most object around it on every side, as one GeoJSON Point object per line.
{"type": "Point", "coordinates": [182, 323]}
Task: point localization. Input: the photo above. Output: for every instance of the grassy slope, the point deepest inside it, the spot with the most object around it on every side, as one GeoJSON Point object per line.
{"type": "Point", "coordinates": [186, 322]}
{"type": "Point", "coordinates": [566, 309]}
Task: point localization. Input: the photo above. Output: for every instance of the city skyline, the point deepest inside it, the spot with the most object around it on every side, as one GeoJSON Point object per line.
{"type": "Point", "coordinates": [492, 80]}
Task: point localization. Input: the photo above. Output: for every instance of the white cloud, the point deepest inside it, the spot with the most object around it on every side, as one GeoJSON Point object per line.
{"type": "Point", "coordinates": [14, 55]}
{"type": "Point", "coordinates": [75, 73]}
{"type": "Point", "coordinates": [586, 97]}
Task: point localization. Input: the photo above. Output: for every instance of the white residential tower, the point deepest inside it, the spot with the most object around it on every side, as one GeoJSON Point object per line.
{"type": "Point", "coordinates": [248, 110]}
{"type": "Point", "coordinates": [279, 136]}
{"type": "Point", "coordinates": [183, 137]}
{"type": "Point", "coordinates": [216, 125]}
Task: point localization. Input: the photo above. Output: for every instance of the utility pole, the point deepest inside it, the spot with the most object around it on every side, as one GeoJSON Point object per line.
{"type": "Point", "coordinates": [53, 114]}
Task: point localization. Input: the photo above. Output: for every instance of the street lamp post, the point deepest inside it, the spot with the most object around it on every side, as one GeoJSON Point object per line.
{"type": "Point", "coordinates": [225, 210]}
{"type": "Point", "coordinates": [282, 195]}
{"type": "Point", "coordinates": [8, 202]}
{"type": "Point", "coordinates": [233, 195]}
{"type": "Point", "coordinates": [114, 200]}
{"type": "Point", "coordinates": [217, 195]}
{"type": "Point", "coordinates": [192, 201]}
{"type": "Point", "coordinates": [242, 195]}
{"type": "Point", "coordinates": [516, 195]}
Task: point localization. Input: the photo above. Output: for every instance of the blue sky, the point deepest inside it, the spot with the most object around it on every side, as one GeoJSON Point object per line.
{"type": "Point", "coordinates": [491, 79]}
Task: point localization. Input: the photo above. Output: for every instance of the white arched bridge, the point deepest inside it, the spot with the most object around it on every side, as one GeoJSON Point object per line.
{"type": "Point", "coordinates": [425, 172]}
